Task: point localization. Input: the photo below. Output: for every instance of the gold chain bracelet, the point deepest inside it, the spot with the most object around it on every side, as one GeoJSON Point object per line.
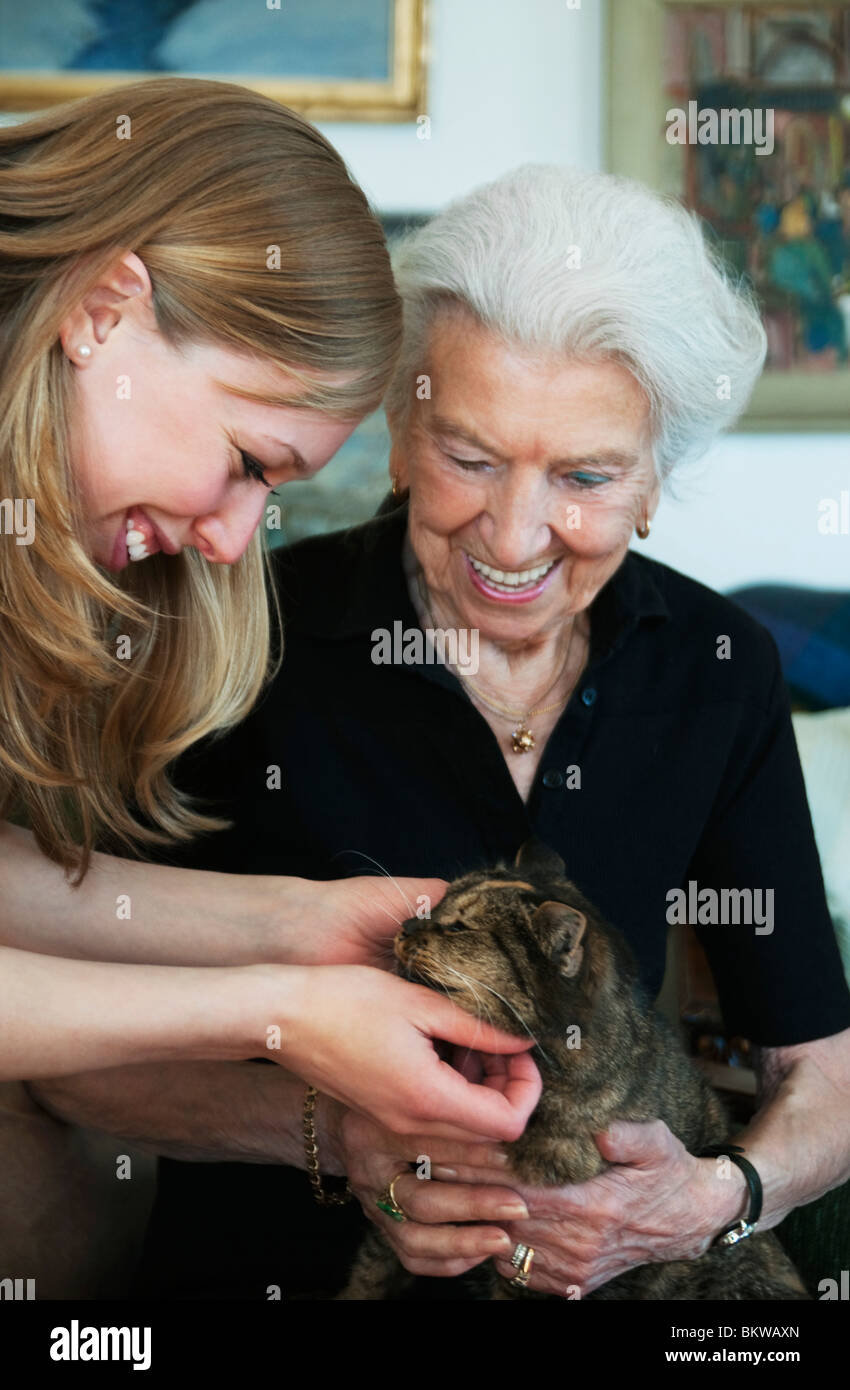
{"type": "Point", "coordinates": [311, 1150]}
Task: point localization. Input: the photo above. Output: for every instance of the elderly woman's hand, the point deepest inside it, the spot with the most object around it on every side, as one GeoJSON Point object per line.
{"type": "Point", "coordinates": [430, 1241]}
{"type": "Point", "coordinates": [657, 1203]}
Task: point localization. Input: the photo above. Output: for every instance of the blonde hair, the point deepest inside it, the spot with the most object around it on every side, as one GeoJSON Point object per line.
{"type": "Point", "coordinates": [212, 177]}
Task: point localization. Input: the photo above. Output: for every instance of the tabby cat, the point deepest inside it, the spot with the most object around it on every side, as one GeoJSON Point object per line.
{"type": "Point", "coordinates": [522, 946]}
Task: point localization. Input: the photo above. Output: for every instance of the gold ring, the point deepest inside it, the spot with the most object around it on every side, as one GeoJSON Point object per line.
{"type": "Point", "coordinates": [522, 1260]}
{"type": "Point", "coordinates": [388, 1202]}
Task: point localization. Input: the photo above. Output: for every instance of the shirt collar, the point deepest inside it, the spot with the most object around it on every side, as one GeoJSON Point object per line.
{"type": "Point", "coordinates": [376, 590]}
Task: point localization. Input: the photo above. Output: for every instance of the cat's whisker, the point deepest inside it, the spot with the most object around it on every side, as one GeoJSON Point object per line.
{"type": "Point", "coordinates": [385, 872]}
{"type": "Point", "coordinates": [482, 1009]}
{"type": "Point", "coordinates": [508, 1005]}
{"type": "Point", "coordinates": [482, 1014]}
{"type": "Point", "coordinates": [380, 906]}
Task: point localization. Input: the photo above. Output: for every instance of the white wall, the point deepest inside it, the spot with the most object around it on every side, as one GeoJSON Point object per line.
{"type": "Point", "coordinates": [516, 80]}
{"type": "Point", "coordinates": [510, 81]}
{"type": "Point", "coordinates": [750, 512]}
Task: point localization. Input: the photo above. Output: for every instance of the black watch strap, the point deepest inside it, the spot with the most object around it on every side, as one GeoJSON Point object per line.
{"type": "Point", "coordinates": [745, 1227]}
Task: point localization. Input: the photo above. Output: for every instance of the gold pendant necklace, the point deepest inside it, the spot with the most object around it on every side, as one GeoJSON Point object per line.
{"type": "Point", "coordinates": [522, 739]}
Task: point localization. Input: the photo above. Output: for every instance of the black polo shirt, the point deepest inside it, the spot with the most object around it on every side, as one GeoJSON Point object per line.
{"type": "Point", "coordinates": [687, 765]}
{"type": "Point", "coordinates": [688, 770]}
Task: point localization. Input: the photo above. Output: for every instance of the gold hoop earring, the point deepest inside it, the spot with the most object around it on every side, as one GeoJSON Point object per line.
{"type": "Point", "coordinates": [643, 531]}
{"type": "Point", "coordinates": [397, 490]}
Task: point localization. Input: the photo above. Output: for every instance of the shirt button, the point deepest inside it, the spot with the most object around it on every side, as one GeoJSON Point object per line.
{"type": "Point", "coordinates": [588, 696]}
{"type": "Point", "coordinates": [553, 778]}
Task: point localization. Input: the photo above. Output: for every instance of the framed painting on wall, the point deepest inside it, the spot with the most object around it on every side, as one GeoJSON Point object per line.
{"type": "Point", "coordinates": [330, 59]}
{"type": "Point", "coordinates": [741, 110]}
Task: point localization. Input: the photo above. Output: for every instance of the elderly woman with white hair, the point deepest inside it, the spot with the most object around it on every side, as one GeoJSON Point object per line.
{"type": "Point", "coordinates": [569, 342]}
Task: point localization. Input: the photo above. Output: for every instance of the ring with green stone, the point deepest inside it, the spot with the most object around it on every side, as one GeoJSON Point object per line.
{"type": "Point", "coordinates": [388, 1202]}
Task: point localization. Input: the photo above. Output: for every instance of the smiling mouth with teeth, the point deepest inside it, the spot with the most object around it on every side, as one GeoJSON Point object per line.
{"type": "Point", "coordinates": [137, 545]}
{"type": "Point", "coordinates": [511, 581]}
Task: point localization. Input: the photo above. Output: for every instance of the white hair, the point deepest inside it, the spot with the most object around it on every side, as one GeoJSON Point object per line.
{"type": "Point", "coordinates": [591, 267]}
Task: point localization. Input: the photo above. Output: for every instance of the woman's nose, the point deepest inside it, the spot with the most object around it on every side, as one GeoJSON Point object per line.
{"type": "Point", "coordinates": [223, 536]}
{"type": "Point", "coordinates": [515, 525]}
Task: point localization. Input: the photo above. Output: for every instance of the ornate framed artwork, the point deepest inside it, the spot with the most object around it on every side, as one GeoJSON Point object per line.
{"type": "Point", "coordinates": [741, 109]}
{"type": "Point", "coordinates": [353, 60]}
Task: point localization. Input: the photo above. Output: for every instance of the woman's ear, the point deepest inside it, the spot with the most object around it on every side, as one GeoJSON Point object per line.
{"type": "Point", "coordinates": [653, 499]}
{"type": "Point", "coordinates": [399, 473]}
{"type": "Point", "coordinates": [104, 305]}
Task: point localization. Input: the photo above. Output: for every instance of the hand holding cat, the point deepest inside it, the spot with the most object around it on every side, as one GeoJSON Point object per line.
{"type": "Point", "coordinates": [656, 1203]}
{"type": "Point", "coordinates": [352, 921]}
{"type": "Point", "coordinates": [430, 1241]}
{"type": "Point", "coordinates": [367, 1039]}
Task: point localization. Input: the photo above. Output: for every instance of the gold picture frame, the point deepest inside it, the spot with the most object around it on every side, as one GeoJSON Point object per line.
{"type": "Point", "coordinates": [402, 97]}
{"type": "Point", "coordinates": [783, 399]}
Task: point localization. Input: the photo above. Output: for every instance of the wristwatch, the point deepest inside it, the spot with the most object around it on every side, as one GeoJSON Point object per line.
{"type": "Point", "coordinates": [739, 1230]}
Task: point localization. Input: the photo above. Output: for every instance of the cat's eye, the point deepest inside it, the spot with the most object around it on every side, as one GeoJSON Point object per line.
{"type": "Point", "coordinates": [453, 926]}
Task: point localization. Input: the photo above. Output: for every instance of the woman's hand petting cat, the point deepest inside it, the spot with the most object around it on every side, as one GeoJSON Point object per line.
{"type": "Point", "coordinates": [352, 921]}
{"type": "Point", "coordinates": [430, 1241]}
{"type": "Point", "coordinates": [656, 1203]}
{"type": "Point", "coordinates": [370, 1040]}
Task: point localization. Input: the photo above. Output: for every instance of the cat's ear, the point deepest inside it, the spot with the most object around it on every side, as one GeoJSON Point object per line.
{"type": "Point", "coordinates": [564, 927]}
{"type": "Point", "coordinates": [535, 857]}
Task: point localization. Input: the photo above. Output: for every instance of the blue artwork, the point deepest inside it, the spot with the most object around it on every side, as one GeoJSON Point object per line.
{"type": "Point", "coordinates": [332, 40]}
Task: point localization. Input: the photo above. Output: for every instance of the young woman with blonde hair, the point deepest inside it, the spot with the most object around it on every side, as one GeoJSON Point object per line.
{"type": "Point", "coordinates": [196, 304]}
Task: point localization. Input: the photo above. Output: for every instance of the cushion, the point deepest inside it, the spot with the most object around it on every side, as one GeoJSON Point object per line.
{"type": "Point", "coordinates": [823, 741]}
{"type": "Point", "coordinates": [811, 628]}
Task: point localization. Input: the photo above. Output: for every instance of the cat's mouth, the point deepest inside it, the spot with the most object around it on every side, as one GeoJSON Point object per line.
{"type": "Point", "coordinates": [414, 959]}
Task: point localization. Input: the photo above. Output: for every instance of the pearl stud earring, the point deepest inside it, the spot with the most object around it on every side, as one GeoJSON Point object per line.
{"type": "Point", "coordinates": [84, 350]}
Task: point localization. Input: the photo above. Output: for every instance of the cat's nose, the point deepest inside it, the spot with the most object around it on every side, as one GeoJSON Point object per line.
{"type": "Point", "coordinates": [411, 925]}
